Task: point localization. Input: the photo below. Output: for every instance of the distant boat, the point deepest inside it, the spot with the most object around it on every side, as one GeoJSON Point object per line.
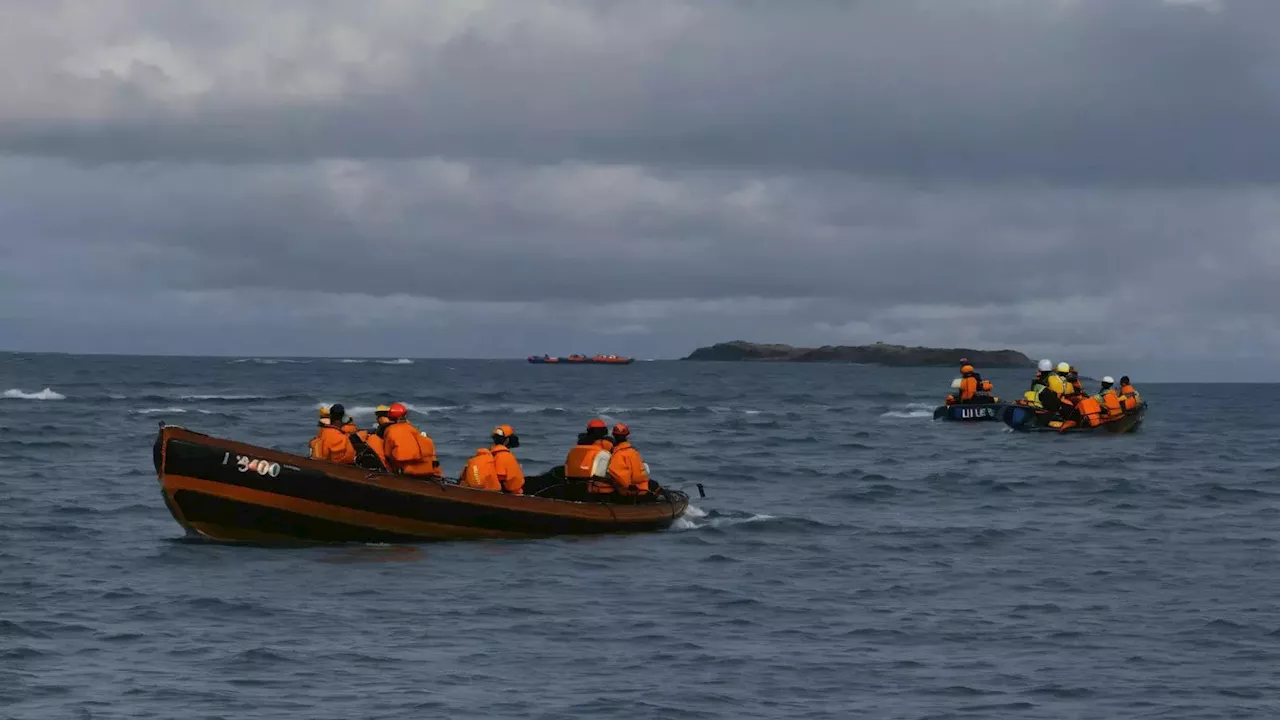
{"type": "Point", "coordinates": [581, 360]}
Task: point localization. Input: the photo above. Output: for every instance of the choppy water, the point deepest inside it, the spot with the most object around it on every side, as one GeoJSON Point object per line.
{"type": "Point", "coordinates": [852, 559]}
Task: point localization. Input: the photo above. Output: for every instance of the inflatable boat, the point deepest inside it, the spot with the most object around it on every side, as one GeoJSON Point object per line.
{"type": "Point", "coordinates": [970, 412]}
{"type": "Point", "coordinates": [236, 492]}
{"type": "Point", "coordinates": [1027, 419]}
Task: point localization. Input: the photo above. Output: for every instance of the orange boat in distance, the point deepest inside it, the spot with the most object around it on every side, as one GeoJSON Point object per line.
{"type": "Point", "coordinates": [581, 360]}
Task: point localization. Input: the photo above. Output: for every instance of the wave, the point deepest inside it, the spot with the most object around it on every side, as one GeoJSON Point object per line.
{"type": "Point", "coordinates": [913, 410]}
{"type": "Point", "coordinates": [169, 410]}
{"type": "Point", "coordinates": [695, 518]}
{"type": "Point", "coordinates": [269, 361]}
{"type": "Point", "coordinates": [677, 410]}
{"type": "Point", "coordinates": [45, 394]}
{"type": "Point", "coordinates": [231, 398]}
{"type": "Point", "coordinates": [356, 411]}
{"type": "Point", "coordinates": [397, 361]}
{"type": "Point", "coordinates": [349, 361]}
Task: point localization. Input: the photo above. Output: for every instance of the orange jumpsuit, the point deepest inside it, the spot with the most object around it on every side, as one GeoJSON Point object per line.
{"type": "Point", "coordinates": [333, 445]}
{"type": "Point", "coordinates": [480, 472]}
{"type": "Point", "coordinates": [508, 469]}
{"type": "Point", "coordinates": [626, 469]}
{"type": "Point", "coordinates": [409, 451]}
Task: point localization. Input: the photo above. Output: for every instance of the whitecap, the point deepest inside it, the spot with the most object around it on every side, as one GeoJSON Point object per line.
{"type": "Point", "coordinates": [45, 394]}
{"type": "Point", "coordinates": [397, 361]}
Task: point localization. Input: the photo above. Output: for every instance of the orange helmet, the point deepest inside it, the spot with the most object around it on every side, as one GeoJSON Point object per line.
{"type": "Point", "coordinates": [504, 431]}
{"type": "Point", "coordinates": [986, 385]}
{"type": "Point", "coordinates": [397, 411]}
{"type": "Point", "coordinates": [966, 369]}
{"type": "Point", "coordinates": [596, 423]}
{"type": "Point", "coordinates": [621, 430]}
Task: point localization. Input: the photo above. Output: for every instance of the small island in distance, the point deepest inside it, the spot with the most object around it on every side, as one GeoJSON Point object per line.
{"type": "Point", "coordinates": [877, 354]}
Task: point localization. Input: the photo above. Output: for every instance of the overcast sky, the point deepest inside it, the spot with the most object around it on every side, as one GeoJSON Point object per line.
{"type": "Point", "coordinates": [1092, 180]}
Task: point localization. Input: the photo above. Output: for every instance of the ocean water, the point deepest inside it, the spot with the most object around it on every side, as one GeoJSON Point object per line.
{"type": "Point", "coordinates": [852, 557]}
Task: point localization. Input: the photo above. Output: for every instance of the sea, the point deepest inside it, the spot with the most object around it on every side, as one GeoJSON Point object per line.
{"type": "Point", "coordinates": [852, 558]}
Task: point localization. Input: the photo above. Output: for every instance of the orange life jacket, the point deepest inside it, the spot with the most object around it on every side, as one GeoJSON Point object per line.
{"type": "Point", "coordinates": [508, 469]}
{"type": "Point", "coordinates": [626, 468]}
{"type": "Point", "coordinates": [581, 457]}
{"type": "Point", "coordinates": [409, 451]}
{"type": "Point", "coordinates": [374, 441]}
{"type": "Point", "coordinates": [1111, 403]}
{"type": "Point", "coordinates": [968, 388]}
{"type": "Point", "coordinates": [481, 472]}
{"type": "Point", "coordinates": [1090, 411]}
{"type": "Point", "coordinates": [333, 445]}
{"type": "Point", "coordinates": [1129, 397]}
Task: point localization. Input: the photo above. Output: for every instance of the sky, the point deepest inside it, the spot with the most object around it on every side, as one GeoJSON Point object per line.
{"type": "Point", "coordinates": [1087, 180]}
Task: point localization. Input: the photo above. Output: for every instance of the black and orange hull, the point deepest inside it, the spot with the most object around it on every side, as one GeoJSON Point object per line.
{"type": "Point", "coordinates": [236, 492]}
{"type": "Point", "coordinates": [1027, 419]}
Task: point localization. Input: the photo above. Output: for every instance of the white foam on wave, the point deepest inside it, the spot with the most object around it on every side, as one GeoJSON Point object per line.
{"type": "Point", "coordinates": [397, 361]}
{"type": "Point", "coordinates": [695, 518]}
{"type": "Point", "coordinates": [223, 397]}
{"type": "Point", "coordinates": [45, 394]}
{"type": "Point", "coordinates": [270, 361]}
{"type": "Point", "coordinates": [168, 410]}
{"type": "Point", "coordinates": [349, 361]}
{"type": "Point", "coordinates": [913, 410]}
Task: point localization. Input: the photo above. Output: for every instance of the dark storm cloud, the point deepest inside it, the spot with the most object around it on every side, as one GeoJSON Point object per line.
{"type": "Point", "coordinates": [639, 177]}
{"type": "Point", "coordinates": [1130, 91]}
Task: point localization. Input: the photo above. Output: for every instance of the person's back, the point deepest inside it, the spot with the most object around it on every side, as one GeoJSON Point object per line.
{"type": "Point", "coordinates": [407, 449]}
{"type": "Point", "coordinates": [627, 469]}
{"type": "Point", "coordinates": [1129, 396]}
{"type": "Point", "coordinates": [480, 472]}
{"type": "Point", "coordinates": [968, 384]}
{"type": "Point", "coordinates": [510, 475]}
{"type": "Point", "coordinates": [330, 443]}
{"type": "Point", "coordinates": [589, 458]}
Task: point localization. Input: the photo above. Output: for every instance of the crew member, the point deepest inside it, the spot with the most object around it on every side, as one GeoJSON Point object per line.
{"type": "Point", "coordinates": [408, 450]}
{"type": "Point", "coordinates": [589, 458]}
{"type": "Point", "coordinates": [374, 437]}
{"type": "Point", "coordinates": [1109, 399]}
{"type": "Point", "coordinates": [330, 443]}
{"type": "Point", "coordinates": [968, 384]}
{"type": "Point", "coordinates": [1046, 389]}
{"type": "Point", "coordinates": [1129, 397]}
{"type": "Point", "coordinates": [1087, 413]}
{"type": "Point", "coordinates": [627, 470]}
{"type": "Point", "coordinates": [510, 476]}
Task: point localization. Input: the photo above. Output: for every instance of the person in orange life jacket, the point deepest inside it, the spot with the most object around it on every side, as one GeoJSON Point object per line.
{"type": "Point", "coordinates": [589, 458]}
{"type": "Point", "coordinates": [1129, 396]}
{"type": "Point", "coordinates": [628, 472]}
{"type": "Point", "coordinates": [1088, 412]}
{"type": "Point", "coordinates": [408, 451]}
{"type": "Point", "coordinates": [330, 443]}
{"type": "Point", "coordinates": [1110, 399]}
{"type": "Point", "coordinates": [373, 438]}
{"type": "Point", "coordinates": [495, 468]}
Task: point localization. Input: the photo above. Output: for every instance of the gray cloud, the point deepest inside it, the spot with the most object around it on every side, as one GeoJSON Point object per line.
{"type": "Point", "coordinates": [502, 178]}
{"type": "Point", "coordinates": [1119, 91]}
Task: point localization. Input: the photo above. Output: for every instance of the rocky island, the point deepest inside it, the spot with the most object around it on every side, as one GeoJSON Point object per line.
{"type": "Point", "coordinates": [877, 354]}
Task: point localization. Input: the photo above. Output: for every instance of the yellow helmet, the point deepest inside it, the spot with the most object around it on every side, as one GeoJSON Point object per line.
{"type": "Point", "coordinates": [381, 409]}
{"type": "Point", "coordinates": [324, 411]}
{"type": "Point", "coordinates": [1063, 367]}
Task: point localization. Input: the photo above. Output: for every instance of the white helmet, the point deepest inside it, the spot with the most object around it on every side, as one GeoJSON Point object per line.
{"type": "Point", "coordinates": [955, 384]}
{"type": "Point", "coordinates": [1046, 365]}
{"type": "Point", "coordinates": [1063, 367]}
{"type": "Point", "coordinates": [1108, 380]}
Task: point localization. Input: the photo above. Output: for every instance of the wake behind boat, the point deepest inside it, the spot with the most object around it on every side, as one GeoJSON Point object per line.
{"type": "Point", "coordinates": [237, 492]}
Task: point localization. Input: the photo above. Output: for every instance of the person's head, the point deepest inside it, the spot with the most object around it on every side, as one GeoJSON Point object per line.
{"type": "Point", "coordinates": [1124, 380]}
{"type": "Point", "coordinates": [505, 435]}
{"type": "Point", "coordinates": [621, 433]}
{"type": "Point", "coordinates": [1045, 366]}
{"type": "Point", "coordinates": [397, 412]}
{"type": "Point", "coordinates": [1107, 382]}
{"type": "Point", "coordinates": [596, 430]}
{"type": "Point", "coordinates": [986, 386]}
{"type": "Point", "coordinates": [1064, 368]}
{"type": "Point", "coordinates": [380, 414]}
{"type": "Point", "coordinates": [337, 414]}
{"type": "Point", "coordinates": [324, 414]}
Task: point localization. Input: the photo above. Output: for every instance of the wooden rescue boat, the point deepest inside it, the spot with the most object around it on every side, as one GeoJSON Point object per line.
{"type": "Point", "coordinates": [236, 492]}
